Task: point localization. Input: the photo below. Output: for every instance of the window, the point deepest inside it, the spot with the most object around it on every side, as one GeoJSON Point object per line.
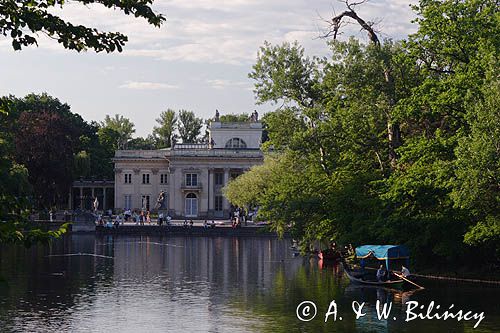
{"type": "Point", "coordinates": [191, 179]}
{"type": "Point", "coordinates": [219, 178]}
{"type": "Point", "coordinates": [128, 178]}
{"type": "Point", "coordinates": [191, 205]}
{"type": "Point", "coordinates": [145, 178]}
{"type": "Point", "coordinates": [164, 178]}
{"type": "Point", "coordinates": [145, 202]}
{"type": "Point", "coordinates": [128, 202]}
{"type": "Point", "coordinates": [236, 143]}
{"type": "Point", "coordinates": [218, 203]}
{"type": "Point", "coordinates": [234, 175]}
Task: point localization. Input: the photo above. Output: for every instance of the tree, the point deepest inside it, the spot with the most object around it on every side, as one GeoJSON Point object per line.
{"type": "Point", "coordinates": [121, 125]}
{"type": "Point", "coordinates": [19, 20]}
{"type": "Point", "coordinates": [234, 118]}
{"type": "Point", "coordinates": [478, 168]}
{"type": "Point", "coordinates": [164, 134]}
{"type": "Point", "coordinates": [389, 141]}
{"type": "Point", "coordinates": [23, 20]}
{"type": "Point", "coordinates": [141, 143]}
{"type": "Point", "coordinates": [189, 126]}
{"type": "Point", "coordinates": [46, 144]}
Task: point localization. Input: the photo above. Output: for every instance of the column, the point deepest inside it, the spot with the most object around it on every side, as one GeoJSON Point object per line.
{"type": "Point", "coordinates": [225, 203]}
{"type": "Point", "coordinates": [154, 189]}
{"type": "Point", "coordinates": [171, 192]}
{"type": "Point", "coordinates": [81, 197]}
{"type": "Point", "coordinates": [104, 198]}
{"type": "Point", "coordinates": [70, 198]}
{"type": "Point", "coordinates": [136, 197]}
{"type": "Point", "coordinates": [118, 188]}
{"type": "Point", "coordinates": [211, 192]}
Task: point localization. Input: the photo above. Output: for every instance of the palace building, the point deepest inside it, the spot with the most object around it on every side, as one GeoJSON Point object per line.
{"type": "Point", "coordinates": [187, 180]}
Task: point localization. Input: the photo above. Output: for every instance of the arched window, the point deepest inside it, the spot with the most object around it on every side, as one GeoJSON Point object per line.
{"type": "Point", "coordinates": [191, 205]}
{"type": "Point", "coordinates": [236, 143]}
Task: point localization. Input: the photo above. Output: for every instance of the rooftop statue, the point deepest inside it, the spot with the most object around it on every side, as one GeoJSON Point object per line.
{"type": "Point", "coordinates": [254, 117]}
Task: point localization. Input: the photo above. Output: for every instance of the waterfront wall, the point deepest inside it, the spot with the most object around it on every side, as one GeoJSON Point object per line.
{"type": "Point", "coordinates": [193, 231]}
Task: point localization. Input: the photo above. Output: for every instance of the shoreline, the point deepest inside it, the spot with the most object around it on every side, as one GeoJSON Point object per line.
{"type": "Point", "coordinates": [176, 230]}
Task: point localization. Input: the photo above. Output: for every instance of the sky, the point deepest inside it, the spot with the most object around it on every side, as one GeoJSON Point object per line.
{"type": "Point", "coordinates": [198, 60]}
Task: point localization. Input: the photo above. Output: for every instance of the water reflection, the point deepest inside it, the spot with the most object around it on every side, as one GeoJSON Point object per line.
{"type": "Point", "coordinates": [159, 284]}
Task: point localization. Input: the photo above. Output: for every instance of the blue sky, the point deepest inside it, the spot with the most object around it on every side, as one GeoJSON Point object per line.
{"type": "Point", "coordinates": [199, 60]}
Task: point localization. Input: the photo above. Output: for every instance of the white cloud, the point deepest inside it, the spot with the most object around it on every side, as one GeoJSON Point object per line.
{"type": "Point", "coordinates": [223, 83]}
{"type": "Point", "coordinates": [138, 85]}
{"type": "Point", "coordinates": [231, 31]}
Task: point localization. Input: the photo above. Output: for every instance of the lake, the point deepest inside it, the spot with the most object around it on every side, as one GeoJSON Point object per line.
{"type": "Point", "coordinates": [88, 283]}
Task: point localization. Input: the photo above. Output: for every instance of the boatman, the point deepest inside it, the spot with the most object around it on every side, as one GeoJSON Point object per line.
{"type": "Point", "coordinates": [380, 273]}
{"type": "Point", "coordinates": [405, 271]}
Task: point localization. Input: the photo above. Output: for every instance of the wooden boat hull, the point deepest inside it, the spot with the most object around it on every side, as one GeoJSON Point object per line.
{"type": "Point", "coordinates": [388, 284]}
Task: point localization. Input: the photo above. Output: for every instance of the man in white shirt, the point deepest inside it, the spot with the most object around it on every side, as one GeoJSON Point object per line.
{"type": "Point", "coordinates": [405, 271]}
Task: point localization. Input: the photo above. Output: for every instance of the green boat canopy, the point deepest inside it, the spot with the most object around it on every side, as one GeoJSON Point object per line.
{"type": "Point", "coordinates": [383, 252]}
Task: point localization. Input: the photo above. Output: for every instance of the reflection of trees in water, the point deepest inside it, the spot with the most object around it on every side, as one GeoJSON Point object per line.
{"type": "Point", "coordinates": [47, 288]}
{"type": "Point", "coordinates": [276, 306]}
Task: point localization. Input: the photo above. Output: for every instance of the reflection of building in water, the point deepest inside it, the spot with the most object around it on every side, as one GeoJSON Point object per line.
{"type": "Point", "coordinates": [190, 175]}
{"type": "Point", "coordinates": [225, 261]}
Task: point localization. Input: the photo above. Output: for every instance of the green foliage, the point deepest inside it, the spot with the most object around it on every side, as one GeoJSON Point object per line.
{"type": "Point", "coordinates": [121, 125]}
{"type": "Point", "coordinates": [23, 20]}
{"type": "Point", "coordinates": [284, 73]}
{"type": "Point", "coordinates": [25, 134]}
{"type": "Point", "coordinates": [82, 164]}
{"type": "Point", "coordinates": [234, 118]}
{"type": "Point", "coordinates": [189, 126]}
{"type": "Point", "coordinates": [396, 142]}
{"type": "Point", "coordinates": [46, 136]}
{"type": "Point", "coordinates": [164, 134]}
{"type": "Point", "coordinates": [147, 143]}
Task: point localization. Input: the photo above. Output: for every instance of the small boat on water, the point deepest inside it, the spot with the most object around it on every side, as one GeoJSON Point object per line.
{"type": "Point", "coordinates": [390, 254]}
{"type": "Point", "coordinates": [330, 255]}
{"type": "Point", "coordinates": [366, 279]}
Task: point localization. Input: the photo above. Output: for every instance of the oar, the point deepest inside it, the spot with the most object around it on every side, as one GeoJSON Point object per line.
{"type": "Point", "coordinates": [413, 283]}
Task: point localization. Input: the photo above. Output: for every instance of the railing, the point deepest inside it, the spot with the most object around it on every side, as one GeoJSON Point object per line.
{"type": "Point", "coordinates": [141, 153]}
{"type": "Point", "coordinates": [198, 186]}
{"type": "Point", "coordinates": [188, 152]}
{"type": "Point", "coordinates": [252, 153]}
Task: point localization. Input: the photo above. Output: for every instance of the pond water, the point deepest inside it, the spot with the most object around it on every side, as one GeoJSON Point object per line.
{"type": "Point", "coordinates": [195, 284]}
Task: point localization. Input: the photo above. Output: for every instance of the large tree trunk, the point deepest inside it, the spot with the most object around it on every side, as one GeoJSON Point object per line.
{"type": "Point", "coordinates": [393, 131]}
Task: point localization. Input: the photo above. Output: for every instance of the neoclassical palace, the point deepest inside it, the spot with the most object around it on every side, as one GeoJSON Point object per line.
{"type": "Point", "coordinates": [187, 180]}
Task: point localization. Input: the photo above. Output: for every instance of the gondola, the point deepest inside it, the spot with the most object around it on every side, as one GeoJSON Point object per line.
{"type": "Point", "coordinates": [390, 254]}
{"type": "Point", "coordinates": [359, 278]}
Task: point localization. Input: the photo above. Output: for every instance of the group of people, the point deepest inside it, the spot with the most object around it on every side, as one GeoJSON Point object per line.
{"type": "Point", "coordinates": [164, 219]}
{"type": "Point", "coordinates": [139, 218]}
{"type": "Point", "coordinates": [207, 225]}
{"type": "Point", "coordinates": [238, 217]}
{"type": "Point", "coordinates": [384, 275]}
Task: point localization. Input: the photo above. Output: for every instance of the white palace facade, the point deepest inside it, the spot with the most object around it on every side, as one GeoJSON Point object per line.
{"type": "Point", "coordinates": [187, 180]}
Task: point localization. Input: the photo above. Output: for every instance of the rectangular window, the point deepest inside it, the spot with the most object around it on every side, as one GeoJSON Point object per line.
{"type": "Point", "coordinates": [218, 203]}
{"type": "Point", "coordinates": [145, 178]}
{"type": "Point", "coordinates": [128, 202]}
{"type": "Point", "coordinates": [128, 178]}
{"type": "Point", "coordinates": [191, 179]}
{"type": "Point", "coordinates": [164, 178]}
{"type": "Point", "coordinates": [219, 178]}
{"type": "Point", "coordinates": [145, 202]}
